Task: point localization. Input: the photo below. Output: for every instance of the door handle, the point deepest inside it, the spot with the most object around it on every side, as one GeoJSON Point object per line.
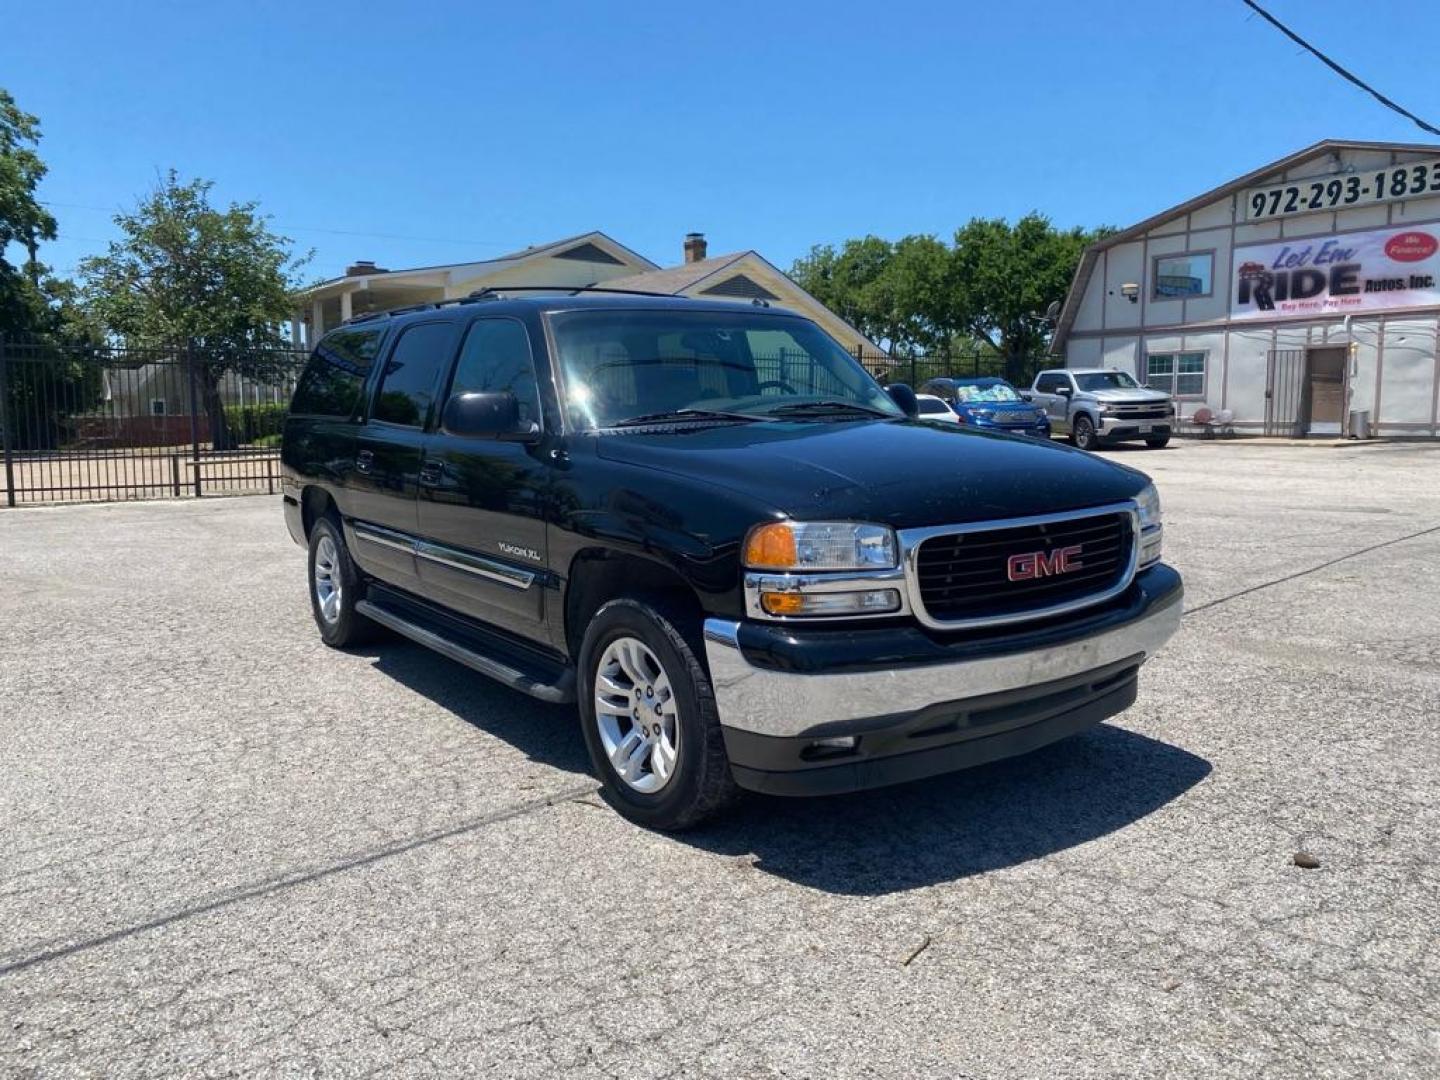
{"type": "Point", "coordinates": [430, 473]}
{"type": "Point", "coordinates": [364, 459]}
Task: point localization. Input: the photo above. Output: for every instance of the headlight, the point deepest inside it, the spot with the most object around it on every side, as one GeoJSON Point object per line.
{"type": "Point", "coordinates": [1151, 533]}
{"type": "Point", "coordinates": [820, 545]}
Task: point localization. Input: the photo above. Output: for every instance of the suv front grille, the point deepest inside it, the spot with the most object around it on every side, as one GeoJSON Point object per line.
{"type": "Point", "coordinates": [1140, 412]}
{"type": "Point", "coordinates": [964, 576]}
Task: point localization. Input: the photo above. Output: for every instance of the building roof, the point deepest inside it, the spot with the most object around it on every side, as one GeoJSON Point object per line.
{"type": "Point", "coordinates": [676, 279]}
{"type": "Point", "coordinates": [1087, 261]}
{"type": "Point", "coordinates": [474, 268]}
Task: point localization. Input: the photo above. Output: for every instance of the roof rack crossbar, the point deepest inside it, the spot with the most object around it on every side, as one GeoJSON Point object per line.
{"type": "Point", "coordinates": [495, 292]}
{"type": "Point", "coordinates": [573, 290]}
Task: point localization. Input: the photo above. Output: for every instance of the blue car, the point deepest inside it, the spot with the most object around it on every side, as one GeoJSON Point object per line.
{"type": "Point", "coordinates": [990, 403]}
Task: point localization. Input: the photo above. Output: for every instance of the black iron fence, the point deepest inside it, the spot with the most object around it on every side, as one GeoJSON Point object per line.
{"type": "Point", "coordinates": [86, 423]}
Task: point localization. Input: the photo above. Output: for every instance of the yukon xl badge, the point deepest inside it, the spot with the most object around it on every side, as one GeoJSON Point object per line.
{"type": "Point", "coordinates": [518, 551]}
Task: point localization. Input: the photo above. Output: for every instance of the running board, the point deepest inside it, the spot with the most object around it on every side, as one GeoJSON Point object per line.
{"type": "Point", "coordinates": [561, 690]}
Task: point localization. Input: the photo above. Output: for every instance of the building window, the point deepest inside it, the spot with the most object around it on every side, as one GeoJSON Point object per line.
{"type": "Point", "coordinates": [1176, 277]}
{"type": "Point", "coordinates": [157, 406]}
{"type": "Point", "coordinates": [1180, 375]}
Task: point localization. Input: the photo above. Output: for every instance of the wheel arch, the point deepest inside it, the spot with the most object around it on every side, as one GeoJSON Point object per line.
{"type": "Point", "coordinates": [315, 503]}
{"type": "Point", "coordinates": [599, 575]}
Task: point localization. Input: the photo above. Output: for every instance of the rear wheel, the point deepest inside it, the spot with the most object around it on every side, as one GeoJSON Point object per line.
{"type": "Point", "coordinates": [649, 718]}
{"type": "Point", "coordinates": [1082, 430]}
{"type": "Point", "coordinates": [1157, 442]}
{"type": "Point", "coordinates": [335, 586]}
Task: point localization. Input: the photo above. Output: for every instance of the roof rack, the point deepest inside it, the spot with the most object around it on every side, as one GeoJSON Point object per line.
{"type": "Point", "coordinates": [497, 292]}
{"type": "Point", "coordinates": [492, 291]}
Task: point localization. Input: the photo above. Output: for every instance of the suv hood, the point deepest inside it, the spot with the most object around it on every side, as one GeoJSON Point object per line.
{"type": "Point", "coordinates": [1137, 396]}
{"type": "Point", "coordinates": [899, 473]}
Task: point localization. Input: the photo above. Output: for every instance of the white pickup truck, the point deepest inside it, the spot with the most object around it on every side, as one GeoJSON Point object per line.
{"type": "Point", "coordinates": [1095, 406]}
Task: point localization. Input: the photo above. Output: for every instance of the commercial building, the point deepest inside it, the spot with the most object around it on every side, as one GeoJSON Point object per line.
{"type": "Point", "coordinates": [1297, 297]}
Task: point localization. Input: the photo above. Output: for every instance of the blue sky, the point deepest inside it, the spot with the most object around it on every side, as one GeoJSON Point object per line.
{"type": "Point", "coordinates": [458, 131]}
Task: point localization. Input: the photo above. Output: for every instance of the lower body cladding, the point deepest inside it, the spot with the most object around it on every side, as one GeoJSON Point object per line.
{"type": "Point", "coordinates": [796, 725]}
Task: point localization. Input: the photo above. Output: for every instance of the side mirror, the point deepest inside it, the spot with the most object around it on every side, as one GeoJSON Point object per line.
{"type": "Point", "coordinates": [1064, 391]}
{"type": "Point", "coordinates": [487, 416]}
{"type": "Point", "coordinates": [1026, 395]}
{"type": "Point", "coordinates": [903, 396]}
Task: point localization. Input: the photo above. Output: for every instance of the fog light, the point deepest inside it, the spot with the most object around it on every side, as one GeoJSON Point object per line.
{"type": "Point", "coordinates": [838, 742]}
{"type": "Point", "coordinates": [868, 602]}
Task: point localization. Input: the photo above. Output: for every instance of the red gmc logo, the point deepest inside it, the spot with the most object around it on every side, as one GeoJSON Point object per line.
{"type": "Point", "coordinates": [1038, 564]}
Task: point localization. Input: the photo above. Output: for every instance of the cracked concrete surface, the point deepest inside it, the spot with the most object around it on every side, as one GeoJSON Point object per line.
{"type": "Point", "coordinates": [226, 850]}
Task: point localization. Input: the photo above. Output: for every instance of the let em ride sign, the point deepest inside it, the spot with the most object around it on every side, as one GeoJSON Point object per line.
{"type": "Point", "coordinates": [1343, 274]}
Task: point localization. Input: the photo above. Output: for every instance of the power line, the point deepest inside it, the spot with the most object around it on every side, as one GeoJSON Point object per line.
{"type": "Point", "coordinates": [1342, 72]}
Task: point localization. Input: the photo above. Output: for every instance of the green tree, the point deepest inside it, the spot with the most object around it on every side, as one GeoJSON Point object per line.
{"type": "Point", "coordinates": [189, 274]}
{"type": "Point", "coordinates": [46, 382]}
{"type": "Point", "coordinates": [23, 221]}
{"type": "Point", "coordinates": [1004, 277]}
{"type": "Point", "coordinates": [987, 294]}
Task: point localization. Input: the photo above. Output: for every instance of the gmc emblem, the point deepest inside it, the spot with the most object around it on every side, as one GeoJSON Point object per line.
{"type": "Point", "coordinates": [1038, 564]}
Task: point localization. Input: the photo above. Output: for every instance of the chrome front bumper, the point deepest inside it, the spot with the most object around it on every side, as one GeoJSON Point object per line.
{"type": "Point", "coordinates": [789, 704]}
{"type": "Point", "coordinates": [1111, 424]}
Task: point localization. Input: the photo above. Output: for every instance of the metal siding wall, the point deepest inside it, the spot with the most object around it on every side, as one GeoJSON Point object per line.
{"type": "Point", "coordinates": [1126, 263]}
{"type": "Point", "coordinates": [1408, 380]}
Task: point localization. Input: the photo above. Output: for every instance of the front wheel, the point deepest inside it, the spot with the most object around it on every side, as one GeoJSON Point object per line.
{"type": "Point", "coordinates": [650, 720]}
{"type": "Point", "coordinates": [1082, 430]}
{"type": "Point", "coordinates": [1157, 442]}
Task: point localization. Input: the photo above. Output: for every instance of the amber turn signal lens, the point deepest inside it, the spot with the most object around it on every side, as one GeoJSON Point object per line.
{"type": "Point", "coordinates": [782, 603]}
{"type": "Point", "coordinates": [771, 547]}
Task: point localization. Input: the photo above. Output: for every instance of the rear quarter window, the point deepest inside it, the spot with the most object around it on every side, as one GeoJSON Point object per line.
{"type": "Point", "coordinates": [335, 376]}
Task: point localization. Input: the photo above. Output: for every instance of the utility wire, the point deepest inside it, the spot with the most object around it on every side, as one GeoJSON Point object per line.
{"type": "Point", "coordinates": [1333, 66]}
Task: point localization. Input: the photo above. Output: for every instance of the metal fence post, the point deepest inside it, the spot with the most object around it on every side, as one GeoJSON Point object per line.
{"type": "Point", "coordinates": [5, 426]}
{"type": "Point", "coordinates": [194, 416]}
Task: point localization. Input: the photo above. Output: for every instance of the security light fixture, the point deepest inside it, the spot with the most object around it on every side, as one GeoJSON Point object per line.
{"type": "Point", "coordinates": [1131, 292]}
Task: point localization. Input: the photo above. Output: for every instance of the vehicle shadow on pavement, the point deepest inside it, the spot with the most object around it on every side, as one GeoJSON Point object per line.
{"type": "Point", "coordinates": [873, 842]}
{"type": "Point", "coordinates": [965, 823]}
{"type": "Point", "coordinates": [547, 734]}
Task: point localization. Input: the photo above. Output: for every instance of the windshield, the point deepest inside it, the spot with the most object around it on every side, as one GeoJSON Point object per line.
{"type": "Point", "coordinates": [1106, 380]}
{"type": "Point", "coordinates": [620, 364]}
{"type": "Point", "coordinates": [992, 393]}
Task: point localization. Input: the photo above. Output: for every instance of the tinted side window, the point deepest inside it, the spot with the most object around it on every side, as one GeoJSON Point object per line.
{"type": "Point", "coordinates": [407, 388]}
{"type": "Point", "coordinates": [336, 373]}
{"type": "Point", "coordinates": [494, 358]}
{"type": "Point", "coordinates": [1045, 384]}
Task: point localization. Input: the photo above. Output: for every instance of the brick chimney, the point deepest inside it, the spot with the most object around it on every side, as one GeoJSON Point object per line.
{"type": "Point", "coordinates": [694, 246]}
{"type": "Point", "coordinates": [362, 267]}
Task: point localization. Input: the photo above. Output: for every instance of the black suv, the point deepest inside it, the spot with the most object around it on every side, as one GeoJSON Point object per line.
{"type": "Point", "coordinates": [709, 526]}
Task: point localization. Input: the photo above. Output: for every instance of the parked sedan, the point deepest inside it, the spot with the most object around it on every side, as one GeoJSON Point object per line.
{"type": "Point", "coordinates": [990, 403]}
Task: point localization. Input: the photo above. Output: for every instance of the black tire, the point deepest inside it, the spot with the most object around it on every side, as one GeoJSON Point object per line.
{"type": "Point", "coordinates": [1082, 433]}
{"type": "Point", "coordinates": [343, 626]}
{"type": "Point", "coordinates": [701, 784]}
{"type": "Point", "coordinates": [1157, 442]}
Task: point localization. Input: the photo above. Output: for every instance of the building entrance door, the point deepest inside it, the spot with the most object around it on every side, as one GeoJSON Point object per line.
{"type": "Point", "coordinates": [1324, 401]}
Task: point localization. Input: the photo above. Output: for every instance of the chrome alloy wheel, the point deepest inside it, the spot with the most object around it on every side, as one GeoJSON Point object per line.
{"type": "Point", "coordinates": [636, 715]}
{"type": "Point", "coordinates": [327, 579]}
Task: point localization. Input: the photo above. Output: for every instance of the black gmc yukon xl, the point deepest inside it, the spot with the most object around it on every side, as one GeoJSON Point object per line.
{"type": "Point", "coordinates": [707, 525]}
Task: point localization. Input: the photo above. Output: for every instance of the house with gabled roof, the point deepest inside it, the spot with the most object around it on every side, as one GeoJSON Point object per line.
{"type": "Point", "coordinates": [589, 259]}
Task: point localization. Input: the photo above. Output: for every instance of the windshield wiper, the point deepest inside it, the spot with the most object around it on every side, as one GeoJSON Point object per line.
{"type": "Point", "coordinates": [804, 408]}
{"type": "Point", "coordinates": [683, 414]}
